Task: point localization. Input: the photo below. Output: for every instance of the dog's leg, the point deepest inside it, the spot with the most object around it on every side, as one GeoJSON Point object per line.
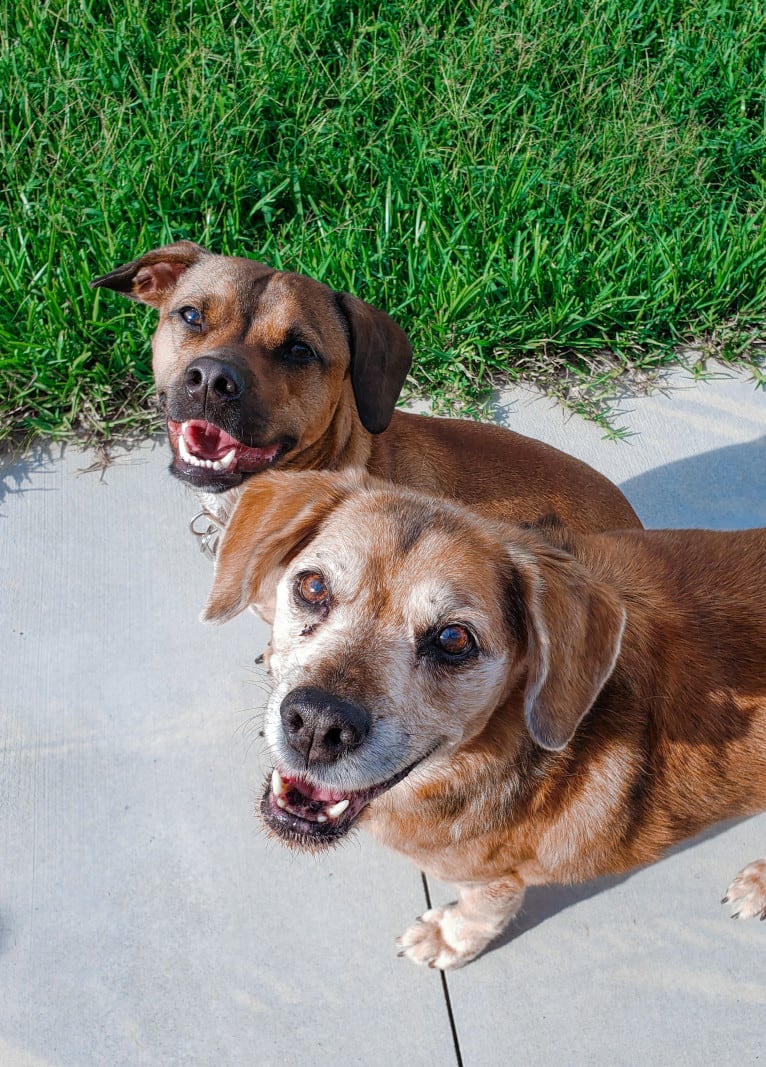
{"type": "Point", "coordinates": [748, 892]}
{"type": "Point", "coordinates": [452, 936]}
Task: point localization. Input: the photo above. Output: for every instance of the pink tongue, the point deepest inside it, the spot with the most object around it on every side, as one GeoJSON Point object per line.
{"type": "Point", "coordinates": [324, 796]}
{"type": "Point", "coordinates": [208, 441]}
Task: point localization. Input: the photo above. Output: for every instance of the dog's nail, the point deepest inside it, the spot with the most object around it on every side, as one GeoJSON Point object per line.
{"type": "Point", "coordinates": [259, 659]}
{"type": "Point", "coordinates": [724, 900]}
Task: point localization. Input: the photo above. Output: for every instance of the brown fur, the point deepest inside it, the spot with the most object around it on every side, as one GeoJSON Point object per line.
{"type": "Point", "coordinates": [335, 411]}
{"type": "Point", "coordinates": [616, 703]}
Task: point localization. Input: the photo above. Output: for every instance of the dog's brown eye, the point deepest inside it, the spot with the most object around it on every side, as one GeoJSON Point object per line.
{"type": "Point", "coordinates": [455, 640]}
{"type": "Point", "coordinates": [191, 316]}
{"type": "Point", "coordinates": [301, 353]}
{"type": "Point", "coordinates": [312, 589]}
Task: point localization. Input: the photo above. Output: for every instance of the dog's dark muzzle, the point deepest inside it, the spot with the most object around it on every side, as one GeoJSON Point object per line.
{"type": "Point", "coordinates": [217, 432]}
{"type": "Point", "coordinates": [217, 387]}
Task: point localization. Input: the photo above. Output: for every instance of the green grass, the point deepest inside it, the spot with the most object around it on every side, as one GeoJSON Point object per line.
{"type": "Point", "coordinates": [524, 185]}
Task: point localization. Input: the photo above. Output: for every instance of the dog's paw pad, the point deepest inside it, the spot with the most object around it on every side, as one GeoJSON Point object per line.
{"type": "Point", "coordinates": [747, 893]}
{"type": "Point", "coordinates": [438, 940]}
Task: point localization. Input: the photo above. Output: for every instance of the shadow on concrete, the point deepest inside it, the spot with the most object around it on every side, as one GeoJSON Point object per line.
{"type": "Point", "coordinates": [18, 469]}
{"type": "Point", "coordinates": [723, 490]}
{"type": "Point", "coordinates": [543, 902]}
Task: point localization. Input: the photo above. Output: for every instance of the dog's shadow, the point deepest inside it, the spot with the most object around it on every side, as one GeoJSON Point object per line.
{"type": "Point", "coordinates": [544, 902]}
{"type": "Point", "coordinates": [724, 489]}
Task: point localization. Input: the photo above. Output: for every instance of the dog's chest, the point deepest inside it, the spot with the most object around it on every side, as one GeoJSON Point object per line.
{"type": "Point", "coordinates": [450, 837]}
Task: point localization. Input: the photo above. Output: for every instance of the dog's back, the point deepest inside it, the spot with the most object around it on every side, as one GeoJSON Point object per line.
{"type": "Point", "coordinates": [689, 686]}
{"type": "Point", "coordinates": [707, 587]}
{"type": "Point", "coordinates": [498, 473]}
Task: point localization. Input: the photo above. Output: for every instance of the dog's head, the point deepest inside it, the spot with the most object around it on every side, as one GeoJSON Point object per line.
{"type": "Point", "coordinates": [403, 626]}
{"type": "Point", "coordinates": [253, 366]}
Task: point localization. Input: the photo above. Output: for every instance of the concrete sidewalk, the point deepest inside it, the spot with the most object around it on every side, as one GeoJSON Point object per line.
{"type": "Point", "coordinates": [144, 918]}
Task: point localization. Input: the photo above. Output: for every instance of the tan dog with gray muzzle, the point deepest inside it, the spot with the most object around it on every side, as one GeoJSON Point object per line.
{"type": "Point", "coordinates": [507, 707]}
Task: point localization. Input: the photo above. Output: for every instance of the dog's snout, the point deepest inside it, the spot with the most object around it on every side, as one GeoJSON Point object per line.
{"type": "Point", "coordinates": [320, 726]}
{"type": "Point", "coordinates": [212, 378]}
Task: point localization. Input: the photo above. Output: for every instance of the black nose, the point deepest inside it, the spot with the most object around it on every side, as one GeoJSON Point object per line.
{"type": "Point", "coordinates": [322, 727]}
{"type": "Point", "coordinates": [208, 377]}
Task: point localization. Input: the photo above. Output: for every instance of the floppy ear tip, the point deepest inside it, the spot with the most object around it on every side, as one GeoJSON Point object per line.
{"type": "Point", "coordinates": [217, 610]}
{"type": "Point", "coordinates": [539, 730]}
{"type": "Point", "coordinates": [373, 420]}
{"type": "Point", "coordinates": [209, 614]}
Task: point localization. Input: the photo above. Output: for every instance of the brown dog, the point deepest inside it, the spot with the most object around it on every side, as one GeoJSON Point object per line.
{"type": "Point", "coordinates": [258, 368]}
{"type": "Point", "coordinates": [505, 710]}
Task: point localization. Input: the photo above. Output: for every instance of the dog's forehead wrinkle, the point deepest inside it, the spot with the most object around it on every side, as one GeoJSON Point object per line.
{"type": "Point", "coordinates": [212, 281]}
{"type": "Point", "coordinates": [279, 313]}
{"type": "Point", "coordinates": [443, 595]}
{"type": "Point", "coordinates": [361, 551]}
{"type": "Point", "coordinates": [416, 521]}
{"type": "Point", "coordinates": [430, 584]}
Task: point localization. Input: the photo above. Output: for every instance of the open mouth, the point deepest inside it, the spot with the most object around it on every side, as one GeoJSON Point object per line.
{"type": "Point", "coordinates": [206, 455]}
{"type": "Point", "coordinates": [312, 818]}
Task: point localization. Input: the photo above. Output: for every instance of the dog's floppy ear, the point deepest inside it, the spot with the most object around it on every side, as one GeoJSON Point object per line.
{"type": "Point", "coordinates": [381, 355]}
{"type": "Point", "coordinates": [150, 277]}
{"type": "Point", "coordinates": [276, 516]}
{"type": "Point", "coordinates": [574, 631]}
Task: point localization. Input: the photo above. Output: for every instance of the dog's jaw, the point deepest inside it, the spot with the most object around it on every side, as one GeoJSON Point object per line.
{"type": "Point", "coordinates": [307, 817]}
{"type": "Point", "coordinates": [312, 818]}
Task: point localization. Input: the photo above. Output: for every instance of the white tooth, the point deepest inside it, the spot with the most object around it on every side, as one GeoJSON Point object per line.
{"type": "Point", "coordinates": [321, 818]}
{"type": "Point", "coordinates": [217, 465]}
{"type": "Point", "coordinates": [227, 460]}
{"type": "Point", "coordinates": [184, 426]}
{"type": "Point", "coordinates": [281, 802]}
{"type": "Point", "coordinates": [278, 787]}
{"type": "Point", "coordinates": [338, 809]}
{"type": "Point", "coordinates": [183, 451]}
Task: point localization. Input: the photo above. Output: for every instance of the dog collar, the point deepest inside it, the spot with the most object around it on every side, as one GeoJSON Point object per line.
{"type": "Point", "coordinates": [204, 527]}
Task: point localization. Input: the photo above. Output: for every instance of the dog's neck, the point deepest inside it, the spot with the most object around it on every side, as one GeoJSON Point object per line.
{"type": "Point", "coordinates": [219, 506]}
{"type": "Point", "coordinates": [345, 443]}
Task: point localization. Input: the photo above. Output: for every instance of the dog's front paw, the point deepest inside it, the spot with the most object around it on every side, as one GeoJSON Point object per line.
{"type": "Point", "coordinates": [442, 938]}
{"type": "Point", "coordinates": [747, 893]}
